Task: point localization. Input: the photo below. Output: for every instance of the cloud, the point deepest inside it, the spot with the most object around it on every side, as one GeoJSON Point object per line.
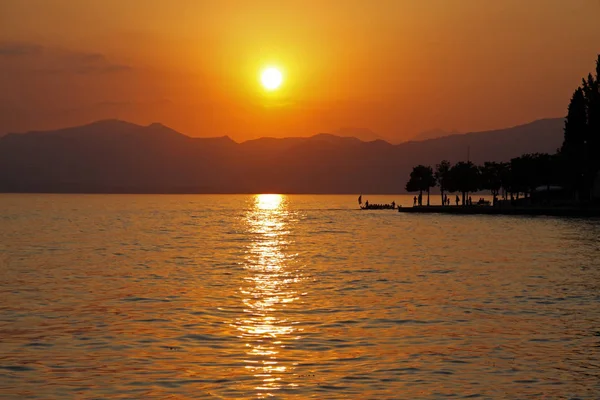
{"type": "Point", "coordinates": [114, 103]}
{"type": "Point", "coordinates": [36, 58]}
{"type": "Point", "coordinates": [20, 49]}
{"type": "Point", "coordinates": [86, 57]}
{"type": "Point", "coordinates": [86, 69]}
{"type": "Point", "coordinates": [86, 63]}
{"type": "Point", "coordinates": [130, 103]}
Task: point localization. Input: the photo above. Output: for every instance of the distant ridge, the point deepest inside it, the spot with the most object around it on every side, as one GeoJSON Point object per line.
{"type": "Point", "coordinates": [434, 134]}
{"type": "Point", "coordinates": [364, 134]}
{"type": "Point", "coordinates": [114, 156]}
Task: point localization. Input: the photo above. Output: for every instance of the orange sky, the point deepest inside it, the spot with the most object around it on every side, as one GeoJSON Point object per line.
{"type": "Point", "coordinates": [396, 67]}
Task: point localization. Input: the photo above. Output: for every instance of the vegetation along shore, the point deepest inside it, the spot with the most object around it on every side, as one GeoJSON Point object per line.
{"type": "Point", "coordinates": [564, 183]}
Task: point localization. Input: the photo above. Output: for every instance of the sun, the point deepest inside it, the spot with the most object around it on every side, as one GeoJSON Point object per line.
{"type": "Point", "coordinates": [271, 78]}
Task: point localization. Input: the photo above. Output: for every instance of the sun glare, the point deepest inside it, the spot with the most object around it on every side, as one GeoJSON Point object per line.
{"type": "Point", "coordinates": [268, 201]}
{"type": "Point", "coordinates": [271, 78]}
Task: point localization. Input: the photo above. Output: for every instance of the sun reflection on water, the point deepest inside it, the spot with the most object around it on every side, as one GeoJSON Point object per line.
{"type": "Point", "coordinates": [267, 290]}
{"type": "Point", "coordinates": [269, 201]}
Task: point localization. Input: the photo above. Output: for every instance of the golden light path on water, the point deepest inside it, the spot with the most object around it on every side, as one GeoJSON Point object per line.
{"type": "Point", "coordinates": [268, 290]}
{"type": "Point", "coordinates": [292, 297]}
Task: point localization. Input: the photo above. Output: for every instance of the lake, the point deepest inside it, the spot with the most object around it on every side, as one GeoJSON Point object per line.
{"type": "Point", "coordinates": [267, 296]}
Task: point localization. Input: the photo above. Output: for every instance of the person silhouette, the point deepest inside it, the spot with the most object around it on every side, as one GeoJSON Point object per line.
{"type": "Point", "coordinates": [415, 201]}
{"type": "Point", "coordinates": [457, 200]}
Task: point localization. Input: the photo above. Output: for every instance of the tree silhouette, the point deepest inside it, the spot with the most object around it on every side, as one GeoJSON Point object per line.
{"type": "Point", "coordinates": [547, 169]}
{"type": "Point", "coordinates": [591, 90]}
{"type": "Point", "coordinates": [580, 151]}
{"type": "Point", "coordinates": [530, 171]}
{"type": "Point", "coordinates": [505, 177]}
{"type": "Point", "coordinates": [491, 179]}
{"type": "Point", "coordinates": [576, 165]}
{"type": "Point", "coordinates": [442, 176]}
{"type": "Point", "coordinates": [464, 178]}
{"type": "Point", "coordinates": [421, 178]}
{"type": "Point", "coordinates": [429, 182]}
{"type": "Point", "coordinates": [574, 146]}
{"type": "Point", "coordinates": [523, 174]}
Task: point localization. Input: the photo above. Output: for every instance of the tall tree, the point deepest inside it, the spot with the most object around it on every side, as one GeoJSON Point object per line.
{"type": "Point", "coordinates": [429, 182]}
{"type": "Point", "coordinates": [591, 90]}
{"type": "Point", "coordinates": [523, 174]}
{"type": "Point", "coordinates": [574, 147]}
{"type": "Point", "coordinates": [531, 171]}
{"type": "Point", "coordinates": [580, 152]}
{"type": "Point", "coordinates": [490, 174]}
{"type": "Point", "coordinates": [442, 176]}
{"type": "Point", "coordinates": [464, 178]}
{"type": "Point", "coordinates": [505, 178]}
{"type": "Point", "coordinates": [421, 179]}
{"type": "Point", "coordinates": [546, 169]}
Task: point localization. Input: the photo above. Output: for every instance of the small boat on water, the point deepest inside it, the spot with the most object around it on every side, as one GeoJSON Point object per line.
{"type": "Point", "coordinates": [367, 206]}
{"type": "Point", "coordinates": [379, 206]}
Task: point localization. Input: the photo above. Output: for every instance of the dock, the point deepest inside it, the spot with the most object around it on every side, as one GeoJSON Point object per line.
{"type": "Point", "coordinates": [489, 210]}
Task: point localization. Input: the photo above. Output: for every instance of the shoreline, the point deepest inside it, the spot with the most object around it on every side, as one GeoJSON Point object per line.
{"type": "Point", "coordinates": [488, 210]}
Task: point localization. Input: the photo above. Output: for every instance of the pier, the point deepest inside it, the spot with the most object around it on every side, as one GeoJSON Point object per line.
{"type": "Point", "coordinates": [489, 210]}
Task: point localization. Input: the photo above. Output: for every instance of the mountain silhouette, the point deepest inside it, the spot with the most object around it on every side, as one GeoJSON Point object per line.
{"type": "Point", "coordinates": [433, 134]}
{"type": "Point", "coordinates": [364, 134]}
{"type": "Point", "coordinates": [114, 156]}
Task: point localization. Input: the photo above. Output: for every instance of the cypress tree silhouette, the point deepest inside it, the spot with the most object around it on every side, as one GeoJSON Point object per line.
{"type": "Point", "coordinates": [581, 146]}
{"type": "Point", "coordinates": [574, 146]}
{"type": "Point", "coordinates": [592, 95]}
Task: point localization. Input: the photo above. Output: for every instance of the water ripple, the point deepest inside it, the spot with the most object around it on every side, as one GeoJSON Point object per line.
{"type": "Point", "coordinates": [291, 297]}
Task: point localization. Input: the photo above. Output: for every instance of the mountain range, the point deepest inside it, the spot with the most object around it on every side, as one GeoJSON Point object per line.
{"type": "Point", "coordinates": [434, 134]}
{"type": "Point", "coordinates": [114, 156]}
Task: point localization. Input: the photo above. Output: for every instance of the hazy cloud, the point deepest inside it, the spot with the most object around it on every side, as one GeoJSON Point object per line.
{"type": "Point", "coordinates": [114, 103]}
{"type": "Point", "coordinates": [48, 86]}
{"type": "Point", "coordinates": [131, 103]}
{"type": "Point", "coordinates": [86, 63]}
{"type": "Point", "coordinates": [86, 69]}
{"type": "Point", "coordinates": [19, 49]}
{"type": "Point", "coordinates": [36, 58]}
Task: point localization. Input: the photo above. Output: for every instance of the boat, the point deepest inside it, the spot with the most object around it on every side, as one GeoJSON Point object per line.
{"type": "Point", "coordinates": [368, 206]}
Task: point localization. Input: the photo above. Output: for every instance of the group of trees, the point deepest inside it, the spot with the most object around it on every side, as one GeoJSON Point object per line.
{"type": "Point", "coordinates": [574, 167]}
{"type": "Point", "coordinates": [521, 176]}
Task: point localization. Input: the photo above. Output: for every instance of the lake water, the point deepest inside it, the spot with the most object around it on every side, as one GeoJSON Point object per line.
{"type": "Point", "coordinates": [225, 297]}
